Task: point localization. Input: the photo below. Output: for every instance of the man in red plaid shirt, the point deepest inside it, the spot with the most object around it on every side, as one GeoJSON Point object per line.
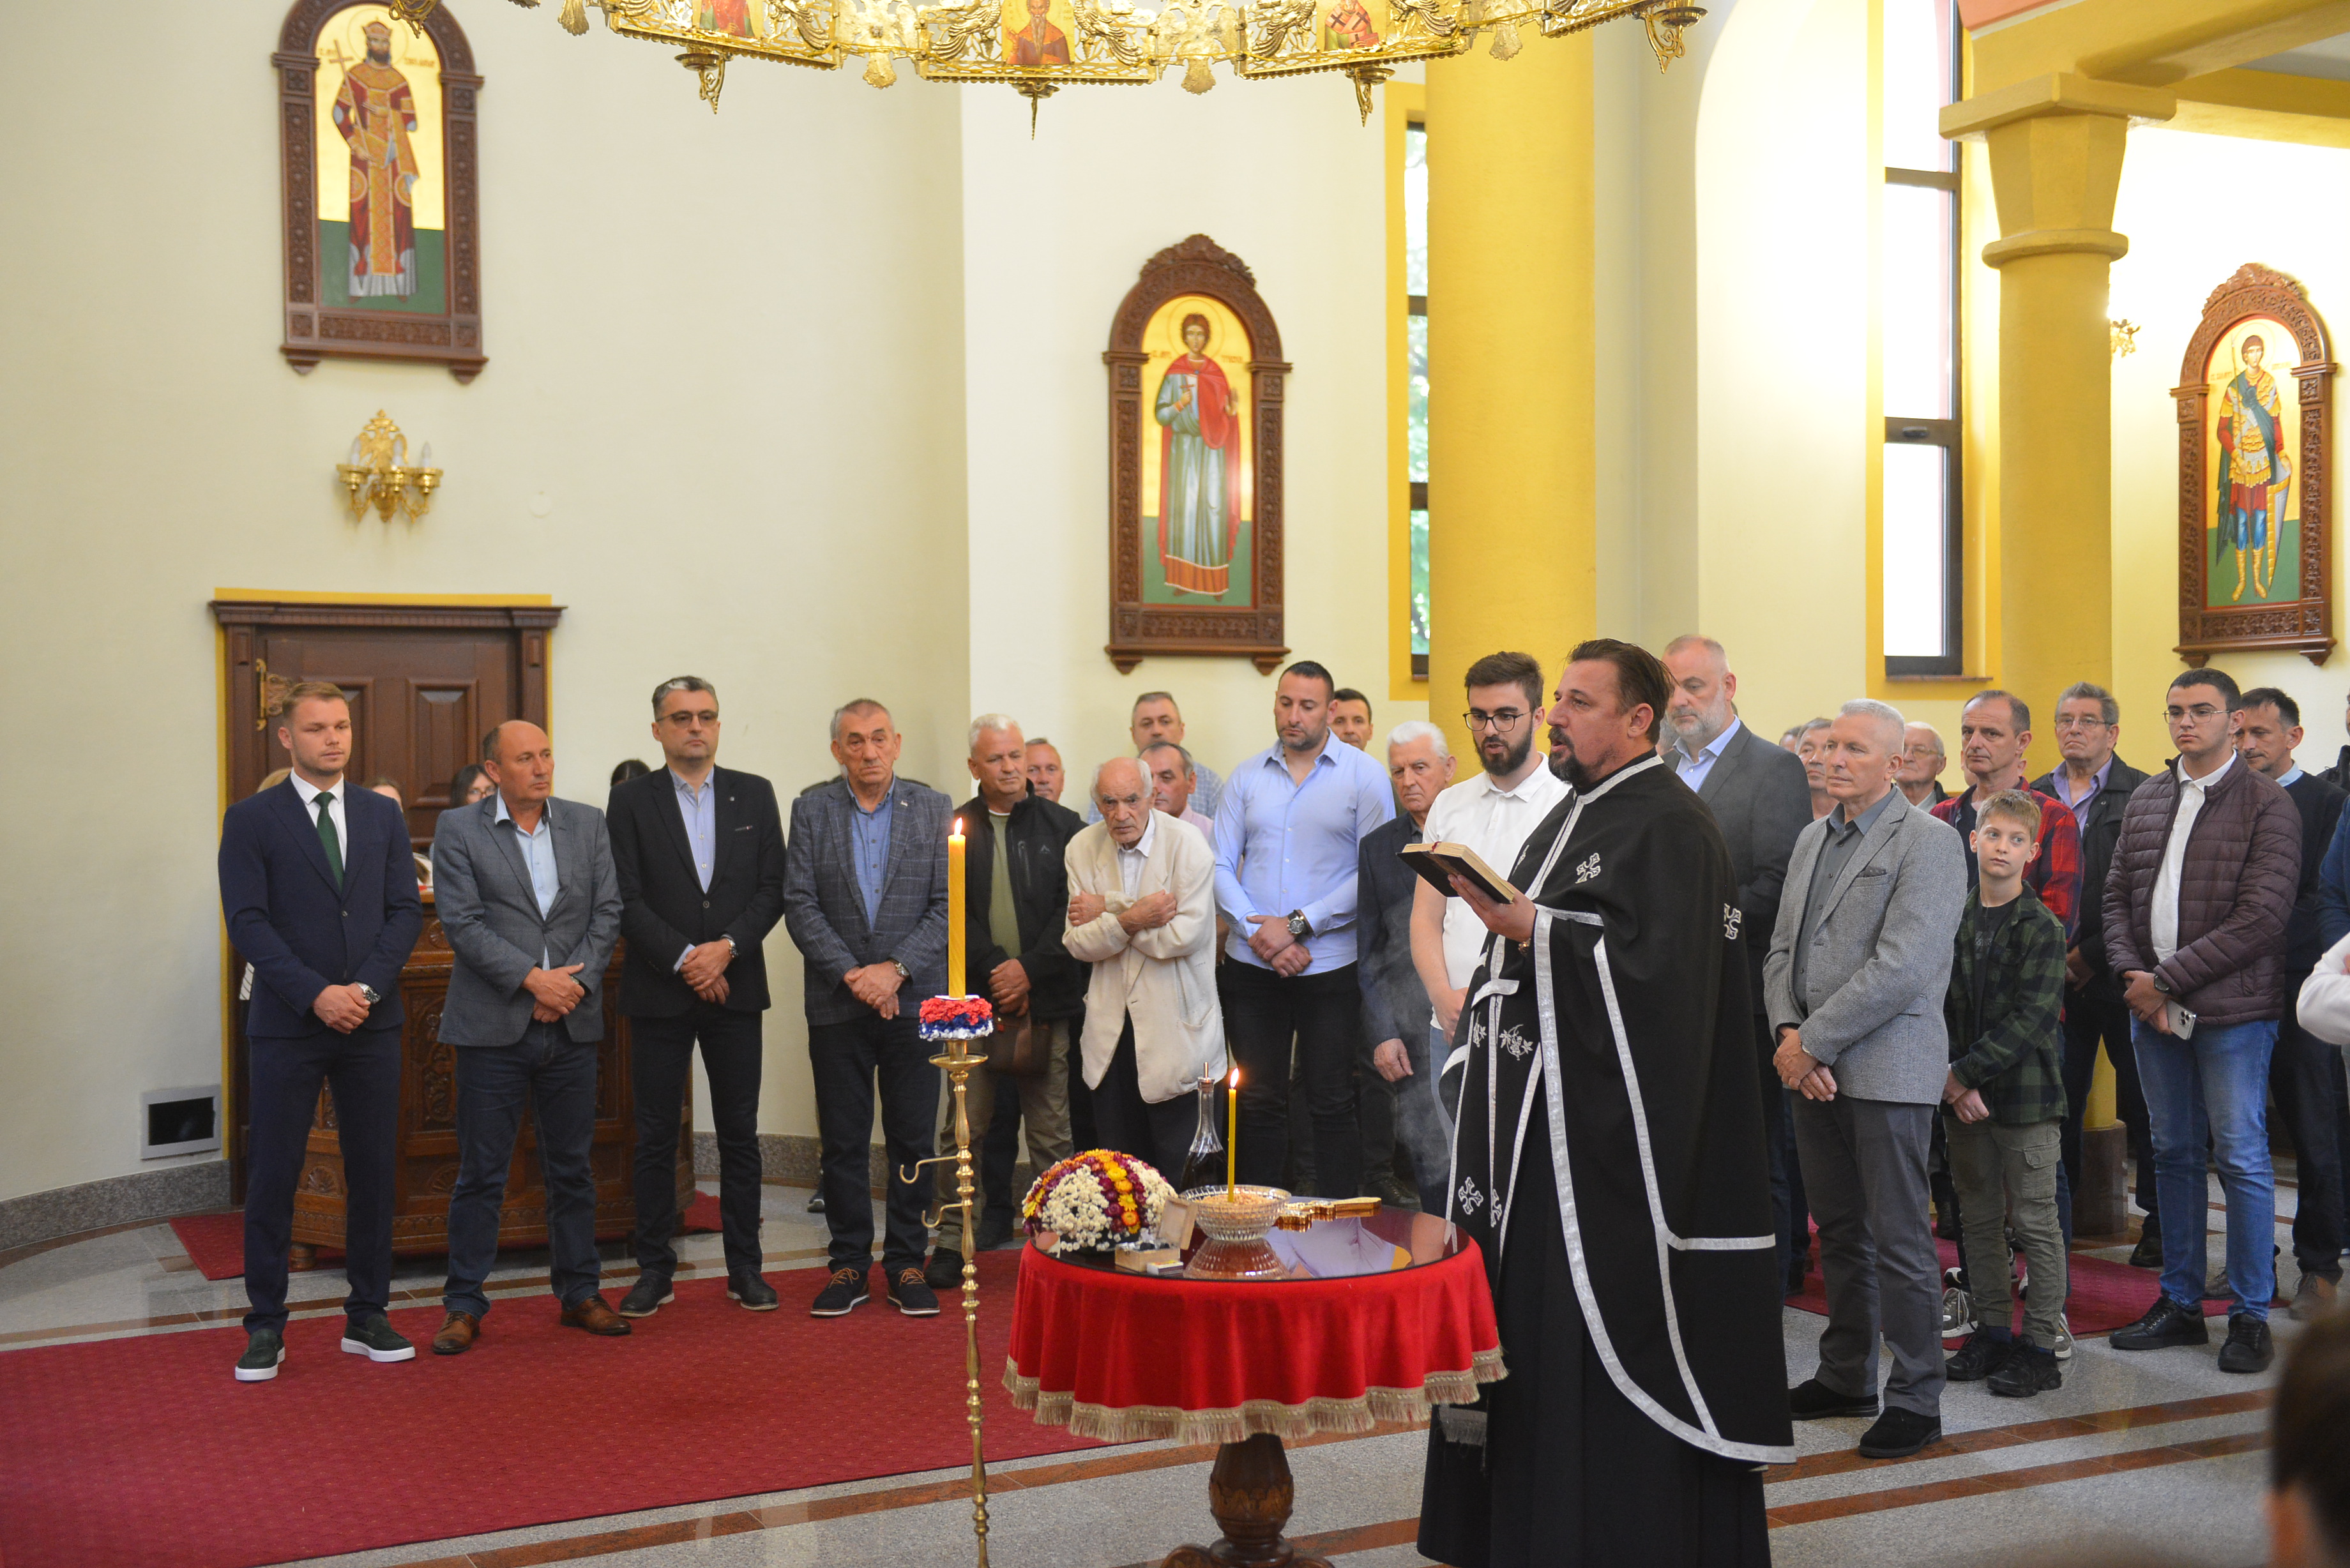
{"type": "Point", "coordinates": [1992, 733]}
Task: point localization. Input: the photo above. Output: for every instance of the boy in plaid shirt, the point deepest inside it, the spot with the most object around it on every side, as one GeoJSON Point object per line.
{"type": "Point", "coordinates": [2004, 1100]}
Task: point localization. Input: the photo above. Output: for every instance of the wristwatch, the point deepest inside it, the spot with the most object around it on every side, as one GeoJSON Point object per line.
{"type": "Point", "coordinates": [903, 972]}
{"type": "Point", "coordinates": [2160, 984]}
{"type": "Point", "coordinates": [732, 951]}
{"type": "Point", "coordinates": [365, 991]}
{"type": "Point", "coordinates": [1299, 926]}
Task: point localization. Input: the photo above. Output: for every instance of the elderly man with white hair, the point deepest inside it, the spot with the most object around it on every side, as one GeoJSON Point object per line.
{"type": "Point", "coordinates": [1142, 912]}
{"type": "Point", "coordinates": [1855, 982]}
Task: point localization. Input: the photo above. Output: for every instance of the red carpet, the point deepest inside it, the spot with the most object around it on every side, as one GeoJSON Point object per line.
{"type": "Point", "coordinates": [2104, 1296]}
{"type": "Point", "coordinates": [146, 1451]}
{"type": "Point", "coordinates": [215, 1242]}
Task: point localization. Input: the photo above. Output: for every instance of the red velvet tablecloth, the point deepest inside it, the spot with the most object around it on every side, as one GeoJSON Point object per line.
{"type": "Point", "coordinates": [1121, 1358]}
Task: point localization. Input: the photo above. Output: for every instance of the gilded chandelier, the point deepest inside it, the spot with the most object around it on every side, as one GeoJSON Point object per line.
{"type": "Point", "coordinates": [1026, 44]}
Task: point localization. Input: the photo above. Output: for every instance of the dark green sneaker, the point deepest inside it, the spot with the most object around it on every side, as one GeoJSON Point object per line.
{"type": "Point", "coordinates": [372, 1338]}
{"type": "Point", "coordinates": [263, 1352]}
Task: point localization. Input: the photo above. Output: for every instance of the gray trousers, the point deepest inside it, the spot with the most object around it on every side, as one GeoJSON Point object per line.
{"type": "Point", "coordinates": [1043, 1105]}
{"type": "Point", "coordinates": [1864, 1165]}
{"type": "Point", "coordinates": [1996, 1168]}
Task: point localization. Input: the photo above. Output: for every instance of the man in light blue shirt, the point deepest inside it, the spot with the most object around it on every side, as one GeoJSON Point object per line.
{"type": "Point", "coordinates": [1288, 828]}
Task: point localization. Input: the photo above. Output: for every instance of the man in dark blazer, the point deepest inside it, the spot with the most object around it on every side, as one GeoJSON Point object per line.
{"type": "Point", "coordinates": [319, 892]}
{"type": "Point", "coordinates": [1016, 904]}
{"type": "Point", "coordinates": [864, 899]}
{"type": "Point", "coordinates": [1394, 1001]}
{"type": "Point", "coordinates": [699, 850]}
{"type": "Point", "coordinates": [1761, 797]}
{"type": "Point", "coordinates": [531, 906]}
{"type": "Point", "coordinates": [2095, 786]}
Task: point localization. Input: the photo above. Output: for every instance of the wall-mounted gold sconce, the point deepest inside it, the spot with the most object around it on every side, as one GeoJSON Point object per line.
{"type": "Point", "coordinates": [2124, 333]}
{"type": "Point", "coordinates": [378, 472]}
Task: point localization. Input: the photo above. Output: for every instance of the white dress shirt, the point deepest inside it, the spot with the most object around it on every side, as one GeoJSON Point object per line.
{"type": "Point", "coordinates": [1130, 862]}
{"type": "Point", "coordinates": [1494, 822]}
{"type": "Point", "coordinates": [2164, 915]}
{"type": "Point", "coordinates": [1693, 769]}
{"type": "Point", "coordinates": [334, 794]}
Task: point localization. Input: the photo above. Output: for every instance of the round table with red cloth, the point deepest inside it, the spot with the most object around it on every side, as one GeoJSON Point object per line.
{"type": "Point", "coordinates": [1122, 1358]}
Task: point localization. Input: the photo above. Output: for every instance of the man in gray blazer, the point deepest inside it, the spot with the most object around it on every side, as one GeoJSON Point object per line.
{"type": "Point", "coordinates": [1859, 962]}
{"type": "Point", "coordinates": [531, 906]}
{"type": "Point", "coordinates": [865, 898]}
{"type": "Point", "coordinates": [1760, 798]}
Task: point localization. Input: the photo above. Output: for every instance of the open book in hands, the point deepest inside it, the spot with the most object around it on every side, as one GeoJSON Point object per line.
{"type": "Point", "coordinates": [1439, 862]}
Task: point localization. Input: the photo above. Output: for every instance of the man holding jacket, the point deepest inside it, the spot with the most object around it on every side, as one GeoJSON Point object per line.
{"type": "Point", "coordinates": [700, 853]}
{"type": "Point", "coordinates": [1015, 888]}
{"type": "Point", "coordinates": [2203, 881]}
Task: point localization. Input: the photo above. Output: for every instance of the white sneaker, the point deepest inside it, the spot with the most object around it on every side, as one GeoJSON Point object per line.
{"type": "Point", "coordinates": [1958, 1312]}
{"type": "Point", "coordinates": [2063, 1349]}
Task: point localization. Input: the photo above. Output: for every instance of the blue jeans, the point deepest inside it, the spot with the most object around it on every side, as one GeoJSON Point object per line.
{"type": "Point", "coordinates": [2216, 1081]}
{"type": "Point", "coordinates": [558, 1075]}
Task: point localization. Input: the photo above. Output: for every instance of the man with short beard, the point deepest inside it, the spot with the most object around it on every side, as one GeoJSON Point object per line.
{"type": "Point", "coordinates": [1760, 799]}
{"type": "Point", "coordinates": [1598, 1131]}
{"type": "Point", "coordinates": [1492, 811]}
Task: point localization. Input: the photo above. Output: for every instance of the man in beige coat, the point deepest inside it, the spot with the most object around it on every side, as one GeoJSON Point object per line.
{"type": "Point", "coordinates": [1143, 913]}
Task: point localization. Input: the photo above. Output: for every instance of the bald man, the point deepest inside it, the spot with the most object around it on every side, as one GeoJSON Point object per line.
{"type": "Point", "coordinates": [531, 904]}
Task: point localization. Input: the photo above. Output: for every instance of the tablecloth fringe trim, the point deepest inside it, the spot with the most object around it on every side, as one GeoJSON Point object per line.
{"type": "Point", "coordinates": [1145, 1423]}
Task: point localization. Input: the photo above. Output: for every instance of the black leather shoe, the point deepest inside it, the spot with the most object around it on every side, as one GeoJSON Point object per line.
{"type": "Point", "coordinates": [646, 1297]}
{"type": "Point", "coordinates": [2165, 1324]}
{"type": "Point", "coordinates": [2029, 1370]}
{"type": "Point", "coordinates": [1898, 1434]}
{"type": "Point", "coordinates": [2249, 1346]}
{"type": "Point", "coordinates": [994, 1231]}
{"type": "Point", "coordinates": [1812, 1400]}
{"type": "Point", "coordinates": [755, 1293]}
{"type": "Point", "coordinates": [944, 1272]}
{"type": "Point", "coordinates": [1978, 1358]}
{"type": "Point", "coordinates": [2148, 1253]}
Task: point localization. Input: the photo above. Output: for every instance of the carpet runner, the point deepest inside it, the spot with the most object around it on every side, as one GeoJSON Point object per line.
{"type": "Point", "coordinates": [146, 1452]}
{"type": "Point", "coordinates": [215, 1242]}
{"type": "Point", "coordinates": [2104, 1295]}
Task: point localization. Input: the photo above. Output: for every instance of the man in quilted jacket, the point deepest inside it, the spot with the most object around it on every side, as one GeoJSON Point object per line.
{"type": "Point", "coordinates": [2202, 883]}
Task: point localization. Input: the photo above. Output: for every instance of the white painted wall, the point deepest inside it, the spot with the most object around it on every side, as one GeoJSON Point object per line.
{"type": "Point", "coordinates": [1055, 231]}
{"type": "Point", "coordinates": [2177, 256]}
{"type": "Point", "coordinates": [731, 353]}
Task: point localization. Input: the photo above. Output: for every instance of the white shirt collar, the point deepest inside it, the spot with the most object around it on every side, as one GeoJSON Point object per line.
{"type": "Point", "coordinates": [310, 792]}
{"type": "Point", "coordinates": [1141, 846]}
{"type": "Point", "coordinates": [2207, 780]}
{"type": "Point", "coordinates": [1712, 750]}
{"type": "Point", "coordinates": [1523, 788]}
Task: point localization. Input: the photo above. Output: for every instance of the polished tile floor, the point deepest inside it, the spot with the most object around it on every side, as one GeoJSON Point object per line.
{"type": "Point", "coordinates": [2157, 1455]}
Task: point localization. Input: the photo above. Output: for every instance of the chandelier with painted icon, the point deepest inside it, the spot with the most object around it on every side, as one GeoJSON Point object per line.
{"type": "Point", "coordinates": [1038, 46]}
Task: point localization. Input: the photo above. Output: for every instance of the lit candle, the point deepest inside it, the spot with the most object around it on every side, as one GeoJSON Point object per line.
{"type": "Point", "coordinates": [1232, 1134]}
{"type": "Point", "coordinates": [954, 911]}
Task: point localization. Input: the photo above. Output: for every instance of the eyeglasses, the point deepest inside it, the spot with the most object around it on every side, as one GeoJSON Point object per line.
{"type": "Point", "coordinates": [2201, 710]}
{"type": "Point", "coordinates": [1500, 719]}
{"type": "Point", "coordinates": [2077, 723]}
{"type": "Point", "coordinates": [682, 716]}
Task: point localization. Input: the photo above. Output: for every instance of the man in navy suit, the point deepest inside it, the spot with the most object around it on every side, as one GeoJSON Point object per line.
{"type": "Point", "coordinates": [319, 892]}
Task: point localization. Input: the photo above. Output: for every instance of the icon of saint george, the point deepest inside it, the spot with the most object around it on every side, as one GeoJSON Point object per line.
{"type": "Point", "coordinates": [2255, 475]}
{"type": "Point", "coordinates": [375, 112]}
{"type": "Point", "coordinates": [1198, 465]}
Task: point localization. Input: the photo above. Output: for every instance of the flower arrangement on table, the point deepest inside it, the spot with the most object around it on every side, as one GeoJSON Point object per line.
{"type": "Point", "coordinates": [957, 1018]}
{"type": "Point", "coordinates": [1095, 1200]}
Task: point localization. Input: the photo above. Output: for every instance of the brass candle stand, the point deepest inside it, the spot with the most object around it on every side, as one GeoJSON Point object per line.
{"type": "Point", "coordinates": [959, 1063]}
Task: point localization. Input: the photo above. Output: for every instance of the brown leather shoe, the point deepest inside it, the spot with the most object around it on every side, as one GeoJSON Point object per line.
{"type": "Point", "coordinates": [2316, 1298]}
{"type": "Point", "coordinates": [596, 1317]}
{"type": "Point", "coordinates": [458, 1332]}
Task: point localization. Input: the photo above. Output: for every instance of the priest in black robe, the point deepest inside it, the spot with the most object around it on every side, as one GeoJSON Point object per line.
{"type": "Point", "coordinates": [1609, 1161]}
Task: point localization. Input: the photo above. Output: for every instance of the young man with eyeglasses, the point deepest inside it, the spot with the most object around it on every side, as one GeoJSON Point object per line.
{"type": "Point", "coordinates": [1491, 812]}
{"type": "Point", "coordinates": [2203, 882]}
{"type": "Point", "coordinates": [2095, 786]}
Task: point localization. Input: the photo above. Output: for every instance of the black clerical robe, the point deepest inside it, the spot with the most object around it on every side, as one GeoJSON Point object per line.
{"type": "Point", "coordinates": [1608, 1160]}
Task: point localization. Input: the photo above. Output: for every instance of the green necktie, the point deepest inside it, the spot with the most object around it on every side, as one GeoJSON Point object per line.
{"type": "Point", "coordinates": [328, 840]}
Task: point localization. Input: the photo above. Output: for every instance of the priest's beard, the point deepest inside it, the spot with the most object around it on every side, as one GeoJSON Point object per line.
{"type": "Point", "coordinates": [1511, 760]}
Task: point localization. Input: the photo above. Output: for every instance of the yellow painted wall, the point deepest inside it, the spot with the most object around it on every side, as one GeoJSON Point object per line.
{"type": "Point", "coordinates": [2185, 241]}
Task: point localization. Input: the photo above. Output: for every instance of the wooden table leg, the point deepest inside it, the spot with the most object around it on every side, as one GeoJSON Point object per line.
{"type": "Point", "coordinates": [1250, 1494]}
{"type": "Point", "coordinates": [301, 1258]}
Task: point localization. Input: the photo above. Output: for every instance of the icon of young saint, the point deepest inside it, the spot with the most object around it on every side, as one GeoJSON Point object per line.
{"type": "Point", "coordinates": [1198, 465]}
{"type": "Point", "coordinates": [1348, 26]}
{"type": "Point", "coordinates": [375, 113]}
{"type": "Point", "coordinates": [2255, 475]}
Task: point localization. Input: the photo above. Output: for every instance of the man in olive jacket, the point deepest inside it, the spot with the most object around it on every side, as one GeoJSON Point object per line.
{"type": "Point", "coordinates": [2202, 882]}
